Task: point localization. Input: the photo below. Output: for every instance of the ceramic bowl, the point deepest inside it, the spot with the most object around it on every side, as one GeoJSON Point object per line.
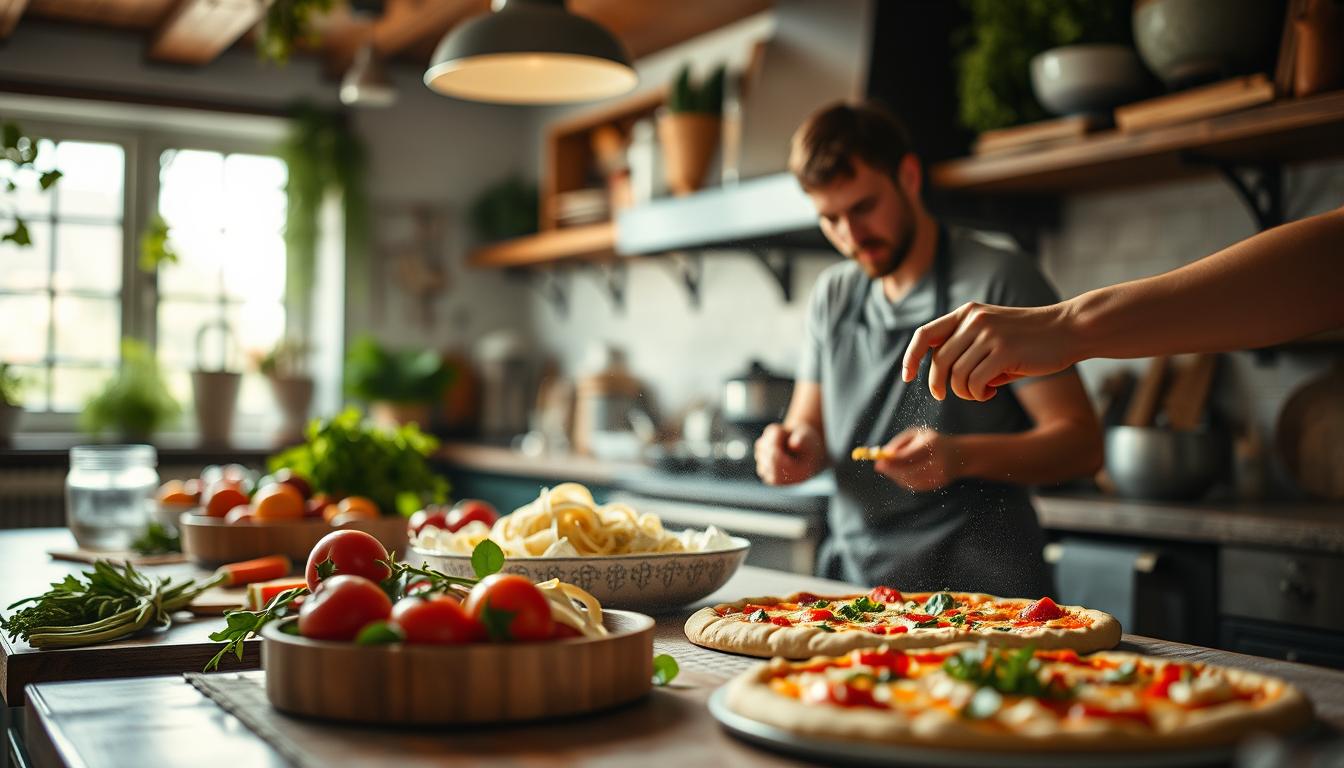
{"type": "Point", "coordinates": [644, 582]}
{"type": "Point", "coordinates": [1185, 42]}
{"type": "Point", "coordinates": [1162, 464]}
{"type": "Point", "coordinates": [1087, 79]}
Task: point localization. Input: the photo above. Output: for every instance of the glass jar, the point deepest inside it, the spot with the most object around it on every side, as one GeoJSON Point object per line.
{"type": "Point", "coordinates": [109, 493]}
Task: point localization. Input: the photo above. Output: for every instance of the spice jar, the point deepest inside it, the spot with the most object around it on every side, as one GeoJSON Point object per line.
{"type": "Point", "coordinates": [109, 493]}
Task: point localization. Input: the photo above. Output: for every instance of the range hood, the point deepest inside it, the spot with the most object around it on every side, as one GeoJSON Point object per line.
{"type": "Point", "coordinates": [896, 51]}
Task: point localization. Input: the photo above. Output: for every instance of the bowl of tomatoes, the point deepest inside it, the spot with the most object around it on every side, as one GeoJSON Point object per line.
{"type": "Point", "coordinates": [377, 641]}
{"type": "Point", "coordinates": [237, 517]}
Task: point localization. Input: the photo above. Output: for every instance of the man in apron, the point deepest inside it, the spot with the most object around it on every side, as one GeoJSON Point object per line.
{"type": "Point", "coordinates": [948, 507]}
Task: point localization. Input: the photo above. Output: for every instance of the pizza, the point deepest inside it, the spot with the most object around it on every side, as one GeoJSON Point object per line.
{"type": "Point", "coordinates": [971, 696]}
{"type": "Point", "coordinates": [803, 625]}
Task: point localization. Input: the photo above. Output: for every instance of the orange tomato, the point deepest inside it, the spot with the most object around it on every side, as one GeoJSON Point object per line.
{"type": "Point", "coordinates": [224, 497]}
{"type": "Point", "coordinates": [277, 502]}
{"type": "Point", "coordinates": [175, 493]}
{"type": "Point", "coordinates": [351, 507]}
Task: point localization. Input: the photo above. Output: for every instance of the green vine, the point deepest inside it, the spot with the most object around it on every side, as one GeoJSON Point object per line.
{"type": "Point", "coordinates": [287, 24]}
{"type": "Point", "coordinates": [20, 149]}
{"type": "Point", "coordinates": [155, 248]}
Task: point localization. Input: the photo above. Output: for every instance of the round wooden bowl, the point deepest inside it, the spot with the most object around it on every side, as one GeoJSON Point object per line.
{"type": "Point", "coordinates": [404, 684]}
{"type": "Point", "coordinates": [210, 542]}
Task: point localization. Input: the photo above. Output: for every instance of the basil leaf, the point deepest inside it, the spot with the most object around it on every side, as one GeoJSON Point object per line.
{"type": "Point", "coordinates": [957, 620]}
{"type": "Point", "coordinates": [824, 628]}
{"type": "Point", "coordinates": [1002, 629]}
{"type": "Point", "coordinates": [760, 616]}
{"type": "Point", "coordinates": [939, 603]}
{"type": "Point", "coordinates": [1125, 673]}
{"type": "Point", "coordinates": [498, 623]}
{"type": "Point", "coordinates": [926, 624]}
{"type": "Point", "coordinates": [822, 604]}
{"type": "Point", "coordinates": [985, 703]}
{"type": "Point", "coordinates": [379, 633]}
{"type": "Point", "coordinates": [665, 669]}
{"type": "Point", "coordinates": [487, 558]}
{"type": "Point", "coordinates": [849, 612]}
{"type": "Point", "coordinates": [865, 605]}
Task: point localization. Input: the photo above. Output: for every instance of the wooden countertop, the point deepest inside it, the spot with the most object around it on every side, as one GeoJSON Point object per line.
{"type": "Point", "coordinates": [26, 570]}
{"type": "Point", "coordinates": [148, 721]}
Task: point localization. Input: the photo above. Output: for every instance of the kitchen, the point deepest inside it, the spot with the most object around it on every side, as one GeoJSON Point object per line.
{"type": "Point", "coordinates": [615, 292]}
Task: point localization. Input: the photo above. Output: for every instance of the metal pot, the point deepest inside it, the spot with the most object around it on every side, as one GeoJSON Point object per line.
{"type": "Point", "coordinates": [1153, 463]}
{"type": "Point", "coordinates": [756, 398]}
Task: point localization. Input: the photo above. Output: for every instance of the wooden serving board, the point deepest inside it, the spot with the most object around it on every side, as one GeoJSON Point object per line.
{"type": "Point", "coordinates": [455, 684]}
{"type": "Point", "coordinates": [210, 542]}
{"type": "Point", "coordinates": [89, 556]}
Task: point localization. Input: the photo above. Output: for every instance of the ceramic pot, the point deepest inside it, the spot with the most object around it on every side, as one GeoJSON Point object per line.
{"type": "Point", "coordinates": [215, 394]}
{"type": "Point", "coordinates": [689, 141]}
{"type": "Point", "coordinates": [9, 422]}
{"type": "Point", "coordinates": [294, 396]}
{"type": "Point", "coordinates": [1087, 79]}
{"type": "Point", "coordinates": [1319, 65]}
{"type": "Point", "coordinates": [1187, 42]}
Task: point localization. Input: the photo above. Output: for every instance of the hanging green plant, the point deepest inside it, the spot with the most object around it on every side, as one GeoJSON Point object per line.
{"type": "Point", "coordinates": [706, 98]}
{"type": "Point", "coordinates": [324, 156]}
{"type": "Point", "coordinates": [288, 24]}
{"type": "Point", "coordinates": [20, 149]}
{"type": "Point", "coordinates": [155, 248]}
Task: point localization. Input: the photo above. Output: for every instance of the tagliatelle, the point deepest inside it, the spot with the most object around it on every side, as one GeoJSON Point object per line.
{"type": "Point", "coordinates": [565, 521]}
{"type": "Point", "coordinates": [562, 596]}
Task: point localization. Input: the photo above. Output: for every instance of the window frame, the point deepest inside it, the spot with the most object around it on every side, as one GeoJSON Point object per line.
{"type": "Point", "coordinates": [144, 135]}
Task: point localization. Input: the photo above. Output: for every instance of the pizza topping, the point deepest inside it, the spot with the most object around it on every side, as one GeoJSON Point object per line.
{"type": "Point", "coordinates": [782, 621]}
{"type": "Point", "coordinates": [751, 608]}
{"type": "Point", "coordinates": [883, 658]}
{"type": "Point", "coordinates": [818, 614]}
{"type": "Point", "coordinates": [845, 694]}
{"type": "Point", "coordinates": [855, 610]}
{"type": "Point", "coordinates": [885, 595]}
{"type": "Point", "coordinates": [1082, 710]}
{"type": "Point", "coordinates": [939, 603]}
{"type": "Point", "coordinates": [824, 627]}
{"type": "Point", "coordinates": [888, 629]}
{"type": "Point", "coordinates": [1007, 671]}
{"type": "Point", "coordinates": [1125, 673]}
{"type": "Point", "coordinates": [820, 603]}
{"type": "Point", "coordinates": [1161, 685]}
{"type": "Point", "coordinates": [1201, 690]}
{"type": "Point", "coordinates": [1044, 609]}
{"type": "Point", "coordinates": [802, 598]}
{"type": "Point", "coordinates": [919, 617]}
{"type": "Point", "coordinates": [985, 703]}
{"type": "Point", "coordinates": [759, 616]}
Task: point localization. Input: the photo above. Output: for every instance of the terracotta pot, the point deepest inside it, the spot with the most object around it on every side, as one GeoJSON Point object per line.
{"type": "Point", "coordinates": [216, 396]}
{"type": "Point", "coordinates": [390, 415]}
{"type": "Point", "coordinates": [689, 141]}
{"type": "Point", "coordinates": [294, 396]}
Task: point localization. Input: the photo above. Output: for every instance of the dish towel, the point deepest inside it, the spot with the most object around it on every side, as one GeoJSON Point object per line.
{"type": "Point", "coordinates": [1099, 575]}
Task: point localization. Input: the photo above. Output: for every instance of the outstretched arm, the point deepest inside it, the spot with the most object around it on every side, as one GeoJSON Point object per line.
{"type": "Point", "coordinates": [1279, 285]}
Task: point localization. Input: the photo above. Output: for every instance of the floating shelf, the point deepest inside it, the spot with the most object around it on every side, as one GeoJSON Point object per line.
{"type": "Point", "coordinates": [1288, 131]}
{"type": "Point", "coordinates": [591, 242]}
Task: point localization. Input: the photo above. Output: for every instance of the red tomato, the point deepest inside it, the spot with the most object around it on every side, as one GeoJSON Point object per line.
{"type": "Point", "coordinates": [897, 661]}
{"type": "Point", "coordinates": [297, 482]}
{"type": "Point", "coordinates": [433, 514]}
{"type": "Point", "coordinates": [885, 595]}
{"type": "Point", "coordinates": [351, 553]}
{"type": "Point", "coordinates": [782, 621]}
{"type": "Point", "coordinates": [836, 692]}
{"type": "Point", "coordinates": [1161, 685]}
{"type": "Point", "coordinates": [468, 510]}
{"type": "Point", "coordinates": [511, 608]}
{"type": "Point", "coordinates": [1041, 610]}
{"type": "Point", "coordinates": [818, 614]}
{"type": "Point", "coordinates": [438, 621]}
{"type": "Point", "coordinates": [341, 607]}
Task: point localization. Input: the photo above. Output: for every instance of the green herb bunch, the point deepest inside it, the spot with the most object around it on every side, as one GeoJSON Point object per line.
{"type": "Point", "coordinates": [21, 150]}
{"type": "Point", "coordinates": [705, 98]}
{"type": "Point", "coordinates": [343, 456]}
{"type": "Point", "coordinates": [854, 611]}
{"type": "Point", "coordinates": [136, 401]}
{"type": "Point", "coordinates": [1001, 671]}
{"type": "Point", "coordinates": [374, 372]}
{"type": "Point", "coordinates": [994, 79]}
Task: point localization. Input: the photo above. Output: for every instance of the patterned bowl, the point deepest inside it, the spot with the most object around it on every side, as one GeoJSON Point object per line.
{"type": "Point", "coordinates": [643, 582]}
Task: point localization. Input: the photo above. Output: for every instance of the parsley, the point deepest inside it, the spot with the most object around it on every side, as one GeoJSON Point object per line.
{"type": "Point", "coordinates": [939, 603]}
{"type": "Point", "coordinates": [957, 619]}
{"type": "Point", "coordinates": [665, 669]}
{"type": "Point", "coordinates": [1125, 673]}
{"type": "Point", "coordinates": [760, 616]}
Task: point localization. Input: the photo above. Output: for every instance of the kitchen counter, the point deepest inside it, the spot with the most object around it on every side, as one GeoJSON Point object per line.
{"type": "Point", "coordinates": [167, 721]}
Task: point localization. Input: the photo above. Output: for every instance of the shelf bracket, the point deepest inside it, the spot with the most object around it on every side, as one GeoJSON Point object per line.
{"type": "Point", "coordinates": [780, 266]}
{"type": "Point", "coordinates": [553, 285]}
{"type": "Point", "coordinates": [615, 277]}
{"type": "Point", "coordinates": [690, 269]}
{"type": "Point", "coordinates": [1260, 187]}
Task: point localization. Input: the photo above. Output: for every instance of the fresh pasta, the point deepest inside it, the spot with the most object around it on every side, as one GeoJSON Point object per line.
{"type": "Point", "coordinates": [565, 521]}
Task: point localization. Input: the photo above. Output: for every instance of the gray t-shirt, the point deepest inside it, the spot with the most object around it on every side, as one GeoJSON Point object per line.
{"type": "Point", "coordinates": [972, 535]}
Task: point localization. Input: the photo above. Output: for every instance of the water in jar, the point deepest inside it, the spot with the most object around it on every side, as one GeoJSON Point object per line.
{"type": "Point", "coordinates": [109, 494]}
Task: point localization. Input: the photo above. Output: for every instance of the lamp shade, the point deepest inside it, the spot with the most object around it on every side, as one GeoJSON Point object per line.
{"type": "Point", "coordinates": [530, 52]}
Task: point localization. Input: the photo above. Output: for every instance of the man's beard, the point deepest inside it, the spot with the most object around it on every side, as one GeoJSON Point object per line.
{"type": "Point", "coordinates": [896, 254]}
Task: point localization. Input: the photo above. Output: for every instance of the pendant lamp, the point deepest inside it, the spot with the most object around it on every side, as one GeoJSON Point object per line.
{"type": "Point", "coordinates": [530, 52]}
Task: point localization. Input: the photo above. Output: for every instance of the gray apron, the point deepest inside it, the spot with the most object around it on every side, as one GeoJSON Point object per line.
{"type": "Point", "coordinates": [972, 535]}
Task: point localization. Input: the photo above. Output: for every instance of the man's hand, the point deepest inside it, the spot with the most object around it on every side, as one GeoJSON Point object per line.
{"type": "Point", "coordinates": [921, 459]}
{"type": "Point", "coordinates": [979, 347]}
{"type": "Point", "coordinates": [787, 455]}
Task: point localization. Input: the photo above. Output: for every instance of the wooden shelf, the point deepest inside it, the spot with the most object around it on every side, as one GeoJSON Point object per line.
{"type": "Point", "coordinates": [588, 242]}
{"type": "Point", "coordinates": [1288, 131]}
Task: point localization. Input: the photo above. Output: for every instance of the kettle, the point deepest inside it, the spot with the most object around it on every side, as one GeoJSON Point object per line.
{"type": "Point", "coordinates": [756, 399]}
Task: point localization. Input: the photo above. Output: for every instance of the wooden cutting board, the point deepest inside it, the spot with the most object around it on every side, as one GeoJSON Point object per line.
{"type": "Point", "coordinates": [80, 555]}
{"type": "Point", "coordinates": [1310, 436]}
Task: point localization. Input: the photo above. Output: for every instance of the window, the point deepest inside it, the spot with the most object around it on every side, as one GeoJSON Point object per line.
{"type": "Point", "coordinates": [61, 296]}
{"type": "Point", "coordinates": [68, 299]}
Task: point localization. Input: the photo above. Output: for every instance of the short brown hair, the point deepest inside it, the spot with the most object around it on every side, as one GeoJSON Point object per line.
{"type": "Point", "coordinates": [825, 144]}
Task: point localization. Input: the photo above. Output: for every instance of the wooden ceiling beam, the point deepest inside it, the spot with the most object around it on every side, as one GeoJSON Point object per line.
{"type": "Point", "coordinates": [197, 31]}
{"type": "Point", "coordinates": [10, 11]}
{"type": "Point", "coordinates": [404, 23]}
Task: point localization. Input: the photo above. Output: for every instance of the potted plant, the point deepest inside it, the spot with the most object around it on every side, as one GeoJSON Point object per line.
{"type": "Point", "coordinates": [11, 402]}
{"type": "Point", "coordinates": [689, 129]}
{"type": "Point", "coordinates": [135, 403]}
{"type": "Point", "coordinates": [398, 385]}
{"type": "Point", "coordinates": [284, 366]}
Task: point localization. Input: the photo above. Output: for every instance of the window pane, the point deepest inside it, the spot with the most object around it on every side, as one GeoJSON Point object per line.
{"type": "Point", "coordinates": [26, 267]}
{"type": "Point", "coordinates": [72, 386]}
{"type": "Point", "coordinates": [91, 184]}
{"type": "Point", "coordinates": [30, 199]}
{"type": "Point", "coordinates": [197, 271]}
{"type": "Point", "coordinates": [254, 187]}
{"type": "Point", "coordinates": [255, 266]}
{"type": "Point", "coordinates": [258, 326]}
{"type": "Point", "coordinates": [24, 320]}
{"type": "Point", "coordinates": [179, 322]}
{"type": "Point", "coordinates": [254, 396]}
{"type": "Point", "coordinates": [34, 394]}
{"type": "Point", "coordinates": [191, 190]}
{"type": "Point", "coordinates": [88, 329]}
{"type": "Point", "coordinates": [179, 386]}
{"type": "Point", "coordinates": [88, 257]}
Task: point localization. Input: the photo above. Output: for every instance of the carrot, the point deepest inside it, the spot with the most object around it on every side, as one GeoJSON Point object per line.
{"type": "Point", "coordinates": [259, 595]}
{"type": "Point", "coordinates": [249, 571]}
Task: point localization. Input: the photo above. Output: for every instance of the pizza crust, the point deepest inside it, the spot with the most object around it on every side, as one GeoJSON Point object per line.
{"type": "Point", "coordinates": [1283, 710]}
{"type": "Point", "coordinates": [707, 628]}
